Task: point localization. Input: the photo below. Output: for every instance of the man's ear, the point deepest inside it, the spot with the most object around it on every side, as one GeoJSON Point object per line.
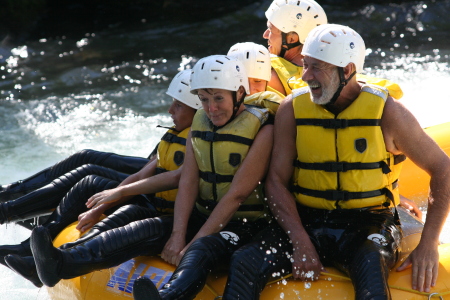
{"type": "Point", "coordinates": [292, 37]}
{"type": "Point", "coordinates": [349, 69]}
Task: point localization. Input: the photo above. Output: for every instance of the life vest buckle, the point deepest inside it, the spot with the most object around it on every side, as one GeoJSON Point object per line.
{"type": "Point", "coordinates": [335, 123]}
{"type": "Point", "coordinates": [339, 195]}
{"type": "Point", "coordinates": [338, 167]}
{"type": "Point", "coordinates": [208, 136]}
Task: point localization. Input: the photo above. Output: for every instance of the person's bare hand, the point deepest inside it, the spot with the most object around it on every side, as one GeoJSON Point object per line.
{"type": "Point", "coordinates": [424, 261]}
{"type": "Point", "coordinates": [88, 219]}
{"type": "Point", "coordinates": [104, 197]}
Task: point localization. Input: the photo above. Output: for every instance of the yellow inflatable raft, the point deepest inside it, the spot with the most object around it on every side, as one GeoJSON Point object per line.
{"type": "Point", "coordinates": [117, 283]}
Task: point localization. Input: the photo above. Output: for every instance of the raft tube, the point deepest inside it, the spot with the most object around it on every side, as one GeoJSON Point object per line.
{"type": "Point", "coordinates": [117, 282]}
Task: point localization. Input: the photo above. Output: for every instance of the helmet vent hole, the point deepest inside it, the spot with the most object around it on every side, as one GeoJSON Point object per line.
{"type": "Point", "coordinates": [298, 3]}
{"type": "Point", "coordinates": [219, 62]}
{"type": "Point", "coordinates": [315, 17]}
{"type": "Point", "coordinates": [333, 34]}
{"type": "Point", "coordinates": [309, 7]}
{"type": "Point", "coordinates": [184, 84]}
{"type": "Point", "coordinates": [326, 42]}
{"type": "Point", "coordinates": [203, 65]}
{"type": "Point", "coordinates": [213, 70]}
{"type": "Point", "coordinates": [248, 55]}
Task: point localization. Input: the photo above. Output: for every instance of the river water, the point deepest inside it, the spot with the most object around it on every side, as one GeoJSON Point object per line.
{"type": "Point", "coordinates": [106, 91]}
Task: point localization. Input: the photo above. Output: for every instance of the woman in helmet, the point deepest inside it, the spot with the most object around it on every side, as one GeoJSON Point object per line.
{"type": "Point", "coordinates": [166, 168]}
{"type": "Point", "coordinates": [220, 188]}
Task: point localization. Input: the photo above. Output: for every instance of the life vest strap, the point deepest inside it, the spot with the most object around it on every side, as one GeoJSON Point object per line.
{"type": "Point", "coordinates": [336, 195]}
{"type": "Point", "coordinates": [342, 166]}
{"type": "Point", "coordinates": [211, 204]}
{"type": "Point", "coordinates": [209, 136]}
{"type": "Point", "coordinates": [160, 170]}
{"type": "Point", "coordinates": [215, 178]}
{"type": "Point", "coordinates": [173, 138]}
{"type": "Point", "coordinates": [162, 203]}
{"type": "Point", "coordinates": [337, 123]}
{"type": "Point", "coordinates": [399, 158]}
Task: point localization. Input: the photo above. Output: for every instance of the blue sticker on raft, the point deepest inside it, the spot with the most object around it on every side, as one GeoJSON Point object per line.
{"type": "Point", "coordinates": [118, 280]}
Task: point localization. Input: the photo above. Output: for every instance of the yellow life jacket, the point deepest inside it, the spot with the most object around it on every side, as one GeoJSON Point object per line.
{"type": "Point", "coordinates": [342, 160]}
{"type": "Point", "coordinates": [219, 153]}
{"type": "Point", "coordinates": [266, 99]}
{"type": "Point", "coordinates": [394, 89]}
{"type": "Point", "coordinates": [290, 75]}
{"type": "Point", "coordinates": [170, 157]}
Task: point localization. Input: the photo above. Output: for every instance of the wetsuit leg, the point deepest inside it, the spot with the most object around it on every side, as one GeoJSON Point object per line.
{"type": "Point", "coordinates": [124, 164]}
{"type": "Point", "coordinates": [203, 256]}
{"type": "Point", "coordinates": [47, 198]}
{"type": "Point", "coordinates": [369, 252]}
{"type": "Point", "coordinates": [254, 264]}
{"type": "Point", "coordinates": [26, 267]}
{"type": "Point", "coordinates": [108, 249]}
{"type": "Point", "coordinates": [67, 211]}
{"type": "Point", "coordinates": [121, 217]}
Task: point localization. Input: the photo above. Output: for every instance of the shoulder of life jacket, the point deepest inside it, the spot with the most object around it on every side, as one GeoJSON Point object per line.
{"type": "Point", "coordinates": [170, 156]}
{"type": "Point", "coordinates": [290, 75]}
{"type": "Point", "coordinates": [265, 99]}
{"type": "Point", "coordinates": [219, 154]}
{"type": "Point", "coordinates": [348, 166]}
{"type": "Point", "coordinates": [394, 89]}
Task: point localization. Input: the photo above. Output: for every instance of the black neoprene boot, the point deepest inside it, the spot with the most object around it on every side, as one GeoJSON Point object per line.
{"type": "Point", "coordinates": [22, 249]}
{"type": "Point", "coordinates": [119, 163]}
{"type": "Point", "coordinates": [25, 267]}
{"type": "Point", "coordinates": [121, 217]}
{"type": "Point", "coordinates": [47, 198]}
{"type": "Point", "coordinates": [144, 289]}
{"type": "Point", "coordinates": [108, 249]}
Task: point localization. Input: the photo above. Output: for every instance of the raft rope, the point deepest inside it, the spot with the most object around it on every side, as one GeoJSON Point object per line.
{"type": "Point", "coordinates": [429, 295]}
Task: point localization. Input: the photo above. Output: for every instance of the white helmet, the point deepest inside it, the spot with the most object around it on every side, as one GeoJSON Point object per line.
{"type": "Point", "coordinates": [256, 59]}
{"type": "Point", "coordinates": [337, 45]}
{"type": "Point", "coordinates": [298, 16]}
{"type": "Point", "coordinates": [219, 72]}
{"type": "Point", "coordinates": [179, 89]}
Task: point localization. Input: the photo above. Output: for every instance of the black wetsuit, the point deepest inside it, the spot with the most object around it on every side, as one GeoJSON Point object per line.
{"type": "Point", "coordinates": [363, 243]}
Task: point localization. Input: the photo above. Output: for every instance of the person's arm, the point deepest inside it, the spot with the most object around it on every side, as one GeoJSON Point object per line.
{"type": "Point", "coordinates": [252, 171]}
{"type": "Point", "coordinates": [281, 202]}
{"type": "Point", "coordinates": [184, 204]}
{"type": "Point", "coordinates": [403, 134]}
{"type": "Point", "coordinates": [142, 182]}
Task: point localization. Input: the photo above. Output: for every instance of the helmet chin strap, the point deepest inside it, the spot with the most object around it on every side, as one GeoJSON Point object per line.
{"type": "Point", "coordinates": [285, 46]}
{"type": "Point", "coordinates": [343, 82]}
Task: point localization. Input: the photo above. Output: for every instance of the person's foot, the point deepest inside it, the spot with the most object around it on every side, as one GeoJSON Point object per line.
{"type": "Point", "coordinates": [144, 289]}
{"type": "Point", "coordinates": [46, 257]}
{"type": "Point", "coordinates": [22, 249]}
{"type": "Point", "coordinates": [25, 267]}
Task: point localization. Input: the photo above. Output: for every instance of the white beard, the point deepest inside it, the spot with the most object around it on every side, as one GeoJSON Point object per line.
{"type": "Point", "coordinates": [327, 91]}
